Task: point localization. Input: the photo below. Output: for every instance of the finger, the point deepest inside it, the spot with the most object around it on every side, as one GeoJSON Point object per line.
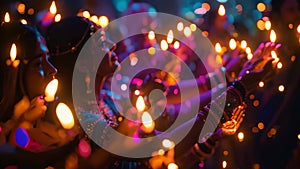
{"type": "Point", "coordinates": [241, 115]}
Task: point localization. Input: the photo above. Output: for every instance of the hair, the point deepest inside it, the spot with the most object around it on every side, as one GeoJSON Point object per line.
{"type": "Point", "coordinates": [11, 79]}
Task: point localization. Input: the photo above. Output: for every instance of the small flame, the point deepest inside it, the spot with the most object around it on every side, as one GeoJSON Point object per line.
{"type": "Point", "coordinates": [51, 90]}
{"type": "Point", "coordinates": [180, 26]}
{"type": "Point", "coordinates": [6, 17]}
{"type": "Point", "coordinates": [151, 35]}
{"type": "Point", "coordinates": [140, 104]}
{"type": "Point", "coordinates": [86, 14]}
{"type": "Point", "coordinates": [241, 136]}
{"type": "Point", "coordinates": [57, 17]}
{"type": "Point", "coordinates": [232, 44]}
{"type": "Point", "coordinates": [23, 21]}
{"type": "Point", "coordinates": [168, 143]}
{"type": "Point", "coordinates": [53, 9]}
{"type": "Point", "coordinates": [13, 52]}
{"type": "Point", "coordinates": [298, 28]}
{"type": "Point", "coordinates": [172, 166]}
{"type": "Point", "coordinates": [176, 45]}
{"type": "Point", "coordinates": [243, 44]}
{"type": "Point", "coordinates": [148, 123]}
{"type": "Point", "coordinates": [187, 32]}
{"type": "Point", "coordinates": [164, 45]}
{"type": "Point", "coordinates": [65, 116]}
{"type": "Point", "coordinates": [268, 25]}
{"type": "Point", "coordinates": [218, 48]}
{"type": "Point", "coordinates": [221, 10]}
{"type": "Point", "coordinates": [224, 164]}
{"type": "Point", "coordinates": [103, 21]}
{"type": "Point", "coordinates": [274, 56]}
{"type": "Point", "coordinates": [272, 36]}
{"type": "Point", "coordinates": [170, 36]}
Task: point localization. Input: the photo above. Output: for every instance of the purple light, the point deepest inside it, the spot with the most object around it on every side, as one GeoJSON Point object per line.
{"type": "Point", "coordinates": [22, 137]}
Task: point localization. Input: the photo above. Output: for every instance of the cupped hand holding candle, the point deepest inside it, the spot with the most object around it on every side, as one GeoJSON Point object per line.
{"type": "Point", "coordinates": [51, 90]}
{"type": "Point", "coordinates": [65, 116]}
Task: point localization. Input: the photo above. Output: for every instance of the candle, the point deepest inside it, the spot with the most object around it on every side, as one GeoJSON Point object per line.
{"type": "Point", "coordinates": [65, 116]}
{"type": "Point", "coordinates": [170, 36]}
{"type": "Point", "coordinates": [272, 36]}
{"type": "Point", "coordinates": [53, 9]}
{"type": "Point", "coordinates": [13, 54]}
{"type": "Point", "coordinates": [51, 90]}
{"type": "Point", "coordinates": [148, 124]}
{"type": "Point", "coordinates": [57, 17]}
{"type": "Point", "coordinates": [140, 104]}
{"type": "Point", "coordinates": [6, 17]}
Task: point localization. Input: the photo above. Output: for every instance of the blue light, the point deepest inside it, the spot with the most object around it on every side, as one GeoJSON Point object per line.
{"type": "Point", "coordinates": [121, 5]}
{"type": "Point", "coordinates": [22, 138]}
{"type": "Point", "coordinates": [222, 1]}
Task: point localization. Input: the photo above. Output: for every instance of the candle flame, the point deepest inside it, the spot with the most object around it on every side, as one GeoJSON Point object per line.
{"type": "Point", "coordinates": [170, 36]}
{"type": "Point", "coordinates": [151, 35]}
{"type": "Point", "coordinates": [13, 52]}
{"type": "Point", "coordinates": [168, 143]}
{"type": "Point", "coordinates": [268, 25]}
{"type": "Point", "coordinates": [86, 14]}
{"type": "Point", "coordinates": [172, 166]}
{"type": "Point", "coordinates": [218, 48]}
{"type": "Point", "coordinates": [274, 56]}
{"type": "Point", "coordinates": [243, 44]}
{"type": "Point", "coordinates": [57, 17]}
{"type": "Point", "coordinates": [51, 90]}
{"type": "Point", "coordinates": [272, 36]}
{"type": "Point", "coordinates": [65, 116]}
{"type": "Point", "coordinates": [23, 21]}
{"type": "Point", "coordinates": [140, 104]}
{"type": "Point", "coordinates": [298, 28]}
{"type": "Point", "coordinates": [224, 164]}
{"type": "Point", "coordinates": [148, 123]}
{"type": "Point", "coordinates": [164, 45]}
{"type": "Point", "coordinates": [6, 17]}
{"type": "Point", "coordinates": [53, 9]}
{"type": "Point", "coordinates": [180, 26]}
{"type": "Point", "coordinates": [221, 10]}
{"type": "Point", "coordinates": [187, 32]}
{"type": "Point", "coordinates": [241, 136]}
{"type": "Point", "coordinates": [176, 45]}
{"type": "Point", "coordinates": [103, 21]}
{"type": "Point", "coordinates": [232, 44]}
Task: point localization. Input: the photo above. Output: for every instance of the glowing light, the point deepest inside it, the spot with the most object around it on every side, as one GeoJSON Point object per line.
{"type": "Point", "coordinates": [274, 56]}
{"type": "Point", "coordinates": [170, 36]}
{"type": "Point", "coordinates": [200, 11]}
{"type": "Point", "coordinates": [224, 164]}
{"type": "Point", "coordinates": [151, 35]}
{"type": "Point", "coordinates": [273, 131]}
{"type": "Point", "coordinates": [248, 50]}
{"type": "Point", "coordinates": [268, 25]}
{"type": "Point", "coordinates": [13, 52]}
{"type": "Point", "coordinates": [241, 136]}
{"type": "Point", "coordinates": [260, 125]}
{"type": "Point", "coordinates": [261, 7]}
{"type": "Point", "coordinates": [51, 90]}
{"type": "Point", "coordinates": [84, 148]}
{"type": "Point", "coordinates": [23, 21]}
{"type": "Point", "coordinates": [53, 9]}
{"type": "Point", "coordinates": [137, 92]}
{"type": "Point", "coordinates": [279, 65]}
{"type": "Point", "coordinates": [260, 25]}
{"type": "Point", "coordinates": [180, 26]}
{"type": "Point", "coordinates": [255, 130]}
{"type": "Point", "coordinates": [293, 58]}
{"type": "Point", "coordinates": [164, 45]}
{"type": "Point", "coordinates": [218, 48]}
{"type": "Point", "coordinates": [86, 14]}
{"type": "Point", "coordinates": [133, 60]}
{"type": "Point", "coordinates": [103, 21]}
{"type": "Point", "coordinates": [249, 56]}
{"type": "Point", "coordinates": [298, 28]}
{"type": "Point", "coordinates": [272, 36]}
{"type": "Point", "coordinates": [232, 44]}
{"type": "Point", "coordinates": [30, 11]}
{"type": "Point", "coordinates": [172, 166]}
{"type": "Point", "coordinates": [205, 33]}
{"type": "Point", "coordinates": [187, 32]}
{"type": "Point", "coordinates": [221, 10]}
{"type": "Point", "coordinates": [124, 87]}
{"type": "Point", "coordinates": [161, 152]}
{"type": "Point", "coordinates": [239, 8]}
{"type": "Point", "coordinates": [256, 103]}
{"type": "Point", "coordinates": [140, 104]}
{"type": "Point", "coordinates": [57, 18]}
{"type": "Point", "coordinates": [6, 17]}
{"type": "Point", "coordinates": [168, 144]}
{"type": "Point", "coordinates": [206, 6]}
{"type": "Point", "coordinates": [291, 26]}
{"type": "Point", "coordinates": [281, 88]}
{"type": "Point", "coordinates": [148, 124]}
{"type": "Point", "coordinates": [94, 19]}
{"type": "Point", "coordinates": [225, 153]}
{"type": "Point", "coordinates": [243, 44]}
{"type": "Point", "coordinates": [65, 116]}
{"type": "Point", "coordinates": [21, 8]}
{"type": "Point", "coordinates": [193, 27]}
{"type": "Point", "coordinates": [176, 45]}
{"type": "Point", "coordinates": [261, 84]}
{"type": "Point", "coordinates": [151, 50]}
{"type": "Point", "coordinates": [299, 136]}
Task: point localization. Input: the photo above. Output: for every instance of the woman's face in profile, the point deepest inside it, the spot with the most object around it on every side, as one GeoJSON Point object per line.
{"type": "Point", "coordinates": [39, 70]}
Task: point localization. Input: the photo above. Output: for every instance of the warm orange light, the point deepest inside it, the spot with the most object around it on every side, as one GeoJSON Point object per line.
{"type": "Point", "coordinates": [180, 26]}
{"type": "Point", "coordinates": [243, 44]}
{"type": "Point", "coordinates": [21, 8]}
{"type": "Point", "coordinates": [13, 52]}
{"type": "Point", "coordinates": [261, 84]}
{"type": "Point", "coordinates": [148, 124]}
{"type": "Point", "coordinates": [241, 136]}
{"type": "Point", "coordinates": [168, 144]}
{"type": "Point", "coordinates": [260, 125]}
{"type": "Point", "coordinates": [272, 36]}
{"type": "Point", "coordinates": [86, 14]}
{"type": "Point", "coordinates": [94, 19]}
{"type": "Point", "coordinates": [221, 10]}
{"type": "Point", "coordinates": [164, 45]}
{"type": "Point", "coordinates": [103, 21]}
{"type": "Point", "coordinates": [281, 88]}
{"type": "Point", "coordinates": [268, 25]}
{"type": "Point", "coordinates": [51, 90]}
{"type": "Point", "coordinates": [170, 36]}
{"type": "Point", "coordinates": [140, 104]}
{"type": "Point", "coordinates": [232, 44]}
{"type": "Point", "coordinates": [65, 116]}
{"type": "Point", "coordinates": [248, 50]}
{"type": "Point", "coordinates": [172, 166]}
{"type": "Point", "coordinates": [151, 35]}
{"type": "Point", "coordinates": [23, 21]}
{"type": "Point", "coordinates": [6, 17]}
{"type": "Point", "coordinates": [187, 32]}
{"type": "Point", "coordinates": [53, 9]}
{"type": "Point", "coordinates": [218, 48]}
{"type": "Point", "coordinates": [176, 45]}
{"type": "Point", "coordinates": [261, 7]}
{"type": "Point", "coordinates": [279, 65]}
{"type": "Point", "coordinates": [298, 28]}
{"type": "Point", "coordinates": [57, 17]}
{"type": "Point", "coordinates": [274, 56]}
{"type": "Point", "coordinates": [249, 56]}
{"type": "Point", "coordinates": [224, 164]}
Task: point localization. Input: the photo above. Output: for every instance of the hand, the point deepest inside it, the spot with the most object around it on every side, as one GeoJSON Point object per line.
{"type": "Point", "coordinates": [231, 126]}
{"type": "Point", "coordinates": [36, 110]}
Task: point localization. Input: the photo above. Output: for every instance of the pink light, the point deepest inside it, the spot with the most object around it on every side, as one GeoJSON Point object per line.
{"type": "Point", "coordinates": [84, 148]}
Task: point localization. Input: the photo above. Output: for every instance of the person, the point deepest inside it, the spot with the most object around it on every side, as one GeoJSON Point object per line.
{"type": "Point", "coordinates": [24, 133]}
